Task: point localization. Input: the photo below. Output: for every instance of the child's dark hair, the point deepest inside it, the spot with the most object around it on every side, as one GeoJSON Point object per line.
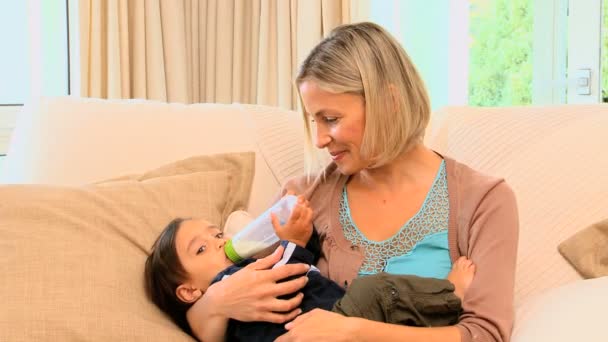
{"type": "Point", "coordinates": [164, 273]}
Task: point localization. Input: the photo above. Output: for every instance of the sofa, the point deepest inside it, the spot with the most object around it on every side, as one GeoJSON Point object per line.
{"type": "Point", "coordinates": [88, 184]}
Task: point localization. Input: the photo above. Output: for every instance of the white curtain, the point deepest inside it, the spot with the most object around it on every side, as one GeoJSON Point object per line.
{"type": "Point", "coordinates": [202, 50]}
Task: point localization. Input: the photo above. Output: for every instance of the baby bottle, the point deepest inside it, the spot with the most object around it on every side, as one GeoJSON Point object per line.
{"type": "Point", "coordinates": [259, 234]}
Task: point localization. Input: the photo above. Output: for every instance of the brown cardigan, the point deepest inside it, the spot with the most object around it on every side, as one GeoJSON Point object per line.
{"type": "Point", "coordinates": [483, 226]}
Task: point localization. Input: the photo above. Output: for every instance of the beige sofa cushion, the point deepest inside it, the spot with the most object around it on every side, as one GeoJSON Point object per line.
{"type": "Point", "coordinates": [72, 258]}
{"type": "Point", "coordinates": [239, 165]}
{"type": "Point", "coordinates": [280, 136]}
{"type": "Point", "coordinates": [555, 160]}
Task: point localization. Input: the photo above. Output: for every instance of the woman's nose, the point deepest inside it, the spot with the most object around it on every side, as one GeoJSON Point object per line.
{"type": "Point", "coordinates": [322, 138]}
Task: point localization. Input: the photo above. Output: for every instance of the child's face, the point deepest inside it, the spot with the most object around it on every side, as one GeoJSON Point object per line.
{"type": "Point", "coordinates": [200, 249]}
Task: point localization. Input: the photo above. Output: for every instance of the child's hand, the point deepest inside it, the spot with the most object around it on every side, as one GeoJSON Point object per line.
{"type": "Point", "coordinates": [298, 229]}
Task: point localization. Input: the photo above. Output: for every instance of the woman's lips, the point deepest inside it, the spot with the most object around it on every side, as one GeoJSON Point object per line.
{"type": "Point", "coordinates": [337, 156]}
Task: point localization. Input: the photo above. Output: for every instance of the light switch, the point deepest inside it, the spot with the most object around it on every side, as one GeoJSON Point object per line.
{"type": "Point", "coordinates": [583, 81]}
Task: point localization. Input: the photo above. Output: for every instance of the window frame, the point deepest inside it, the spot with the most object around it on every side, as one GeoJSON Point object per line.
{"type": "Point", "coordinates": [9, 111]}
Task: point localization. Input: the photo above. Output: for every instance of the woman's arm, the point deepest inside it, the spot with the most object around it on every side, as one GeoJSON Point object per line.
{"type": "Point", "coordinates": [215, 324]}
{"type": "Point", "coordinates": [488, 311]}
{"type": "Point", "coordinates": [376, 331]}
{"type": "Point", "coordinates": [248, 295]}
{"type": "Point", "coordinates": [320, 325]}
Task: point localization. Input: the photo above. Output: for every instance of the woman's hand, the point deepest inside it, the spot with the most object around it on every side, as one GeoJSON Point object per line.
{"type": "Point", "coordinates": [320, 325]}
{"type": "Point", "coordinates": [251, 293]}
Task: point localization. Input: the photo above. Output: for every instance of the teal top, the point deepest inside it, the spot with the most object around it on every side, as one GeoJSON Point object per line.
{"type": "Point", "coordinates": [419, 248]}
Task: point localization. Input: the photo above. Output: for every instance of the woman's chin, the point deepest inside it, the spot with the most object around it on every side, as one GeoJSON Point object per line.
{"type": "Point", "coordinates": [347, 169]}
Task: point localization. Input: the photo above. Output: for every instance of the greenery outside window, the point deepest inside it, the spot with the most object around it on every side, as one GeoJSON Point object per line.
{"type": "Point", "coordinates": [500, 52]}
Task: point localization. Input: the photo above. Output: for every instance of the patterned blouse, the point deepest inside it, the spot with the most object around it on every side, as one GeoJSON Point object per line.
{"type": "Point", "coordinates": [420, 247]}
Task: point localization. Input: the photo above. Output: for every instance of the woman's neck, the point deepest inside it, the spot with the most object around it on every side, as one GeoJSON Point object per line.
{"type": "Point", "coordinates": [417, 166]}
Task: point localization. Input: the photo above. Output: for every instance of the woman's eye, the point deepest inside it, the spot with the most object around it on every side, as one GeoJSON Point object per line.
{"type": "Point", "coordinates": [327, 119]}
{"type": "Point", "coordinates": [200, 250]}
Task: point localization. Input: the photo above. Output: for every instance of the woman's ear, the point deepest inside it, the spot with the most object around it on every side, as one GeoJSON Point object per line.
{"type": "Point", "coordinates": [187, 293]}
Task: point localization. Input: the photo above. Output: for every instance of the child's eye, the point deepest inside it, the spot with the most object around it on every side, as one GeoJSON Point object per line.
{"type": "Point", "coordinates": [201, 249]}
{"type": "Point", "coordinates": [219, 235]}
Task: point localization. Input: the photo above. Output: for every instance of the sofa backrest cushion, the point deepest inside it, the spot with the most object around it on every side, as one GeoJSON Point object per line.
{"type": "Point", "coordinates": [555, 160]}
{"type": "Point", "coordinates": [73, 141]}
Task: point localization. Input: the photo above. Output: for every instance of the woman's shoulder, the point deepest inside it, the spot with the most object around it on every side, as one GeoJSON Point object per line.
{"type": "Point", "coordinates": [480, 198]}
{"type": "Point", "coordinates": [469, 184]}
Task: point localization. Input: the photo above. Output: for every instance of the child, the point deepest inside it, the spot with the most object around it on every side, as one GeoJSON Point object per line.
{"type": "Point", "coordinates": [188, 257]}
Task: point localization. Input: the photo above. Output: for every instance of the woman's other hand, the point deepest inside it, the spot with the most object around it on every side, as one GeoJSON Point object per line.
{"type": "Point", "coordinates": [251, 293]}
{"type": "Point", "coordinates": [320, 325]}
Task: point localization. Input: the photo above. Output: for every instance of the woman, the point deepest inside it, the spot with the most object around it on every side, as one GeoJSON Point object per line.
{"type": "Point", "coordinates": [385, 203]}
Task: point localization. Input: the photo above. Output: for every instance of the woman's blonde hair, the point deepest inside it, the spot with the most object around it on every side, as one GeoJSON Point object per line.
{"type": "Point", "coordinates": [365, 60]}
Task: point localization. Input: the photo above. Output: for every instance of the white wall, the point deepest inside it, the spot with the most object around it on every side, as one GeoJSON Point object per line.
{"type": "Point", "coordinates": [48, 47]}
{"type": "Point", "coordinates": [550, 52]}
{"type": "Point", "coordinates": [434, 33]}
{"type": "Point", "coordinates": [584, 25]}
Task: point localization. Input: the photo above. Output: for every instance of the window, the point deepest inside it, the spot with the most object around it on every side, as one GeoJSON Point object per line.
{"type": "Point", "coordinates": [500, 69]}
{"type": "Point", "coordinates": [483, 52]}
{"type": "Point", "coordinates": [15, 80]}
{"type": "Point", "coordinates": [34, 59]}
